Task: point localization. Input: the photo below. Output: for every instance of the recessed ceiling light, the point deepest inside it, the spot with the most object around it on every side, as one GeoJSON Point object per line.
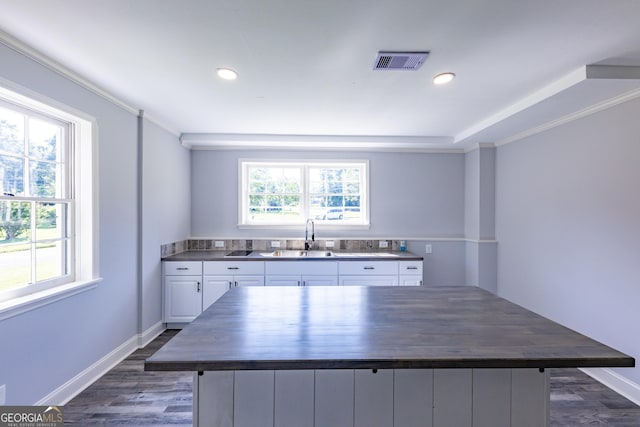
{"type": "Point", "coordinates": [443, 78]}
{"type": "Point", "coordinates": [227, 73]}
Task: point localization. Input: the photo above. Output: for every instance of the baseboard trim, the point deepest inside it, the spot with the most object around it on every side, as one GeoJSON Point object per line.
{"type": "Point", "coordinates": [616, 382]}
{"type": "Point", "coordinates": [150, 334]}
{"type": "Point", "coordinates": [67, 391]}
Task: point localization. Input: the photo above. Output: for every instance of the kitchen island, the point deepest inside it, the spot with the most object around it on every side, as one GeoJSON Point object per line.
{"type": "Point", "coordinates": [374, 356]}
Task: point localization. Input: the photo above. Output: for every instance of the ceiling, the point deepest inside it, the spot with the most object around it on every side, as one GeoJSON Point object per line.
{"type": "Point", "coordinates": [305, 67]}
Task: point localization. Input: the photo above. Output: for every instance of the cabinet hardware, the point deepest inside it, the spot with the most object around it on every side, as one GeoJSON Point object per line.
{"type": "Point", "coordinates": [198, 286]}
{"type": "Point", "coordinates": [230, 284]}
{"type": "Point", "coordinates": [412, 267]}
{"type": "Point", "coordinates": [235, 284]}
{"type": "Point", "coordinates": [369, 268]}
{"type": "Point", "coordinates": [182, 268]}
{"type": "Point", "coordinates": [232, 268]}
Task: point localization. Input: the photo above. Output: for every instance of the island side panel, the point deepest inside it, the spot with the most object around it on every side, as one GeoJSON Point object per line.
{"type": "Point", "coordinates": [387, 398]}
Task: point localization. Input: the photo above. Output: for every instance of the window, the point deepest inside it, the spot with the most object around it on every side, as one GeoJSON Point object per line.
{"type": "Point", "coordinates": [40, 204]}
{"type": "Point", "coordinates": [289, 192]}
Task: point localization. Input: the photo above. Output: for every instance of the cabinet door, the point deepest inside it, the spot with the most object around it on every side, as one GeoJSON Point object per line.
{"type": "Point", "coordinates": [183, 298]}
{"type": "Point", "coordinates": [213, 287]}
{"type": "Point", "coordinates": [283, 281]}
{"type": "Point", "coordinates": [248, 280]}
{"type": "Point", "coordinates": [410, 280]}
{"type": "Point", "coordinates": [319, 280]}
{"type": "Point", "coordinates": [368, 280]}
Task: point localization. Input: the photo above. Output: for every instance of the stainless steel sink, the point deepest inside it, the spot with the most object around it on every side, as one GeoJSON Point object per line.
{"type": "Point", "coordinates": [297, 254]}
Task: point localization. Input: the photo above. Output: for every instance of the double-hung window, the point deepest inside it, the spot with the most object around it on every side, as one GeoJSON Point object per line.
{"type": "Point", "coordinates": [40, 211]}
{"type": "Point", "coordinates": [289, 192]}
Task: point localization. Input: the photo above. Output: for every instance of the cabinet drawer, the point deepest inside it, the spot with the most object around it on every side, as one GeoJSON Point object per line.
{"type": "Point", "coordinates": [301, 267]}
{"type": "Point", "coordinates": [371, 267]}
{"type": "Point", "coordinates": [410, 267]}
{"type": "Point", "coordinates": [182, 268]}
{"type": "Point", "coordinates": [233, 267]}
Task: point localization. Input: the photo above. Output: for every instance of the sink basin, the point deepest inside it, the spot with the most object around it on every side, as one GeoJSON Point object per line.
{"type": "Point", "coordinates": [297, 254]}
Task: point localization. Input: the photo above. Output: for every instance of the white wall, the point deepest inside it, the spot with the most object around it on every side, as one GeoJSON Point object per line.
{"type": "Point", "coordinates": [568, 226]}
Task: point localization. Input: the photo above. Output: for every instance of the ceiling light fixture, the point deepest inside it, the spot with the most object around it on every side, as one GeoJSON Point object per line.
{"type": "Point", "coordinates": [227, 73]}
{"type": "Point", "coordinates": [443, 78]}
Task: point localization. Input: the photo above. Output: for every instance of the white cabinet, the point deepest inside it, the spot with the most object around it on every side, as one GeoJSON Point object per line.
{"type": "Point", "coordinates": [410, 273]}
{"type": "Point", "coordinates": [368, 273]}
{"type": "Point", "coordinates": [301, 273]}
{"type": "Point", "coordinates": [233, 273]}
{"type": "Point", "coordinates": [191, 287]}
{"type": "Point", "coordinates": [213, 287]}
{"type": "Point", "coordinates": [182, 291]}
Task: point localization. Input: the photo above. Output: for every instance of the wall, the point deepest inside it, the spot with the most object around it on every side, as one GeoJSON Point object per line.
{"type": "Point", "coordinates": [44, 348]}
{"type": "Point", "coordinates": [567, 222]}
{"type": "Point", "coordinates": [414, 196]}
{"type": "Point", "coordinates": [53, 351]}
{"type": "Point", "coordinates": [479, 218]}
{"type": "Point", "coordinates": [166, 213]}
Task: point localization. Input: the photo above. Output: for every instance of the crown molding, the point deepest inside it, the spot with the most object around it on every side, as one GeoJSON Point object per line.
{"type": "Point", "coordinates": [35, 55]}
{"type": "Point", "coordinates": [226, 141]}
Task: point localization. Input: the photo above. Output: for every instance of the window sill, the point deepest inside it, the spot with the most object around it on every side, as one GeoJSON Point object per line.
{"type": "Point", "coordinates": [16, 306]}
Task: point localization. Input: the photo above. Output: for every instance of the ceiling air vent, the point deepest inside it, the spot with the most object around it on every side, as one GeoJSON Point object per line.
{"type": "Point", "coordinates": [399, 60]}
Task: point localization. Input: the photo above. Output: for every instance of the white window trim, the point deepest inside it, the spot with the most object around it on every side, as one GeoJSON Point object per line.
{"type": "Point", "coordinates": [85, 159]}
{"type": "Point", "coordinates": [365, 225]}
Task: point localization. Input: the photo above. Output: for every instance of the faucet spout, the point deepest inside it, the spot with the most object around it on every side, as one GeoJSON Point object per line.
{"type": "Point", "coordinates": [308, 245]}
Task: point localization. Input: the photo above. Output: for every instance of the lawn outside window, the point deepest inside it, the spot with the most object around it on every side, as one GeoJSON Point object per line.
{"type": "Point", "coordinates": [283, 193]}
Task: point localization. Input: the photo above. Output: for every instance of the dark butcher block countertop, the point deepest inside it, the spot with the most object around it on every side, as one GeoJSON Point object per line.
{"type": "Point", "coordinates": [257, 256]}
{"type": "Point", "coordinates": [375, 327]}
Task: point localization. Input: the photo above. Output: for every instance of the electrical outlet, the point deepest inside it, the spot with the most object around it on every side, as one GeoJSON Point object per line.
{"type": "Point", "coordinates": [329, 244]}
{"type": "Point", "coordinates": [428, 249]}
{"type": "Point", "coordinates": [275, 243]}
{"type": "Point", "coordinates": [219, 244]}
{"type": "Point", "coordinates": [383, 244]}
{"type": "Point", "coordinates": [3, 394]}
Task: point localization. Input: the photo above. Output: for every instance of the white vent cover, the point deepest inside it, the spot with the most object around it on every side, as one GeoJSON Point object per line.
{"type": "Point", "coordinates": [399, 60]}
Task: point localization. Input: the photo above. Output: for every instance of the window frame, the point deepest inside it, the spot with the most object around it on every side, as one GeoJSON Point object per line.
{"type": "Point", "coordinates": [304, 166]}
{"type": "Point", "coordinates": [81, 196]}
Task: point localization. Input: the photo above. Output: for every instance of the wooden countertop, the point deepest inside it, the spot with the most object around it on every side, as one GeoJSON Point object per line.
{"type": "Point", "coordinates": [375, 327]}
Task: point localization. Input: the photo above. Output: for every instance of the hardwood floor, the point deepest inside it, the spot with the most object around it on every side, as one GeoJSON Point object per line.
{"type": "Point", "coordinates": [129, 396]}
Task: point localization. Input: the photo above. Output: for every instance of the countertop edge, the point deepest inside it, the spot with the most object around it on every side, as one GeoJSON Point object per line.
{"type": "Point", "coordinates": [337, 256]}
{"type": "Point", "coordinates": [196, 366]}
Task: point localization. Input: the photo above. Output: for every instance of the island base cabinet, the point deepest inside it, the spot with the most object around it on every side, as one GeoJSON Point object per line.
{"type": "Point", "coordinates": [373, 398]}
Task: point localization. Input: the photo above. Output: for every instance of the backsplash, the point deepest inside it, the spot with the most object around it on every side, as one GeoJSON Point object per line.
{"type": "Point", "coordinates": [355, 245]}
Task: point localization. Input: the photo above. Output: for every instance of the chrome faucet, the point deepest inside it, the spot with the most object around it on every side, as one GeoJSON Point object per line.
{"type": "Point", "coordinates": [308, 245]}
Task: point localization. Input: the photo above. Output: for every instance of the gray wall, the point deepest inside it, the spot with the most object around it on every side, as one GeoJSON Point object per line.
{"type": "Point", "coordinates": [568, 226]}
{"type": "Point", "coordinates": [412, 195]}
{"type": "Point", "coordinates": [166, 211]}
{"type": "Point", "coordinates": [46, 347]}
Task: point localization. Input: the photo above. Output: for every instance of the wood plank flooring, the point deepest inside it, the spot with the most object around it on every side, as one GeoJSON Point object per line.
{"type": "Point", "coordinates": [129, 396]}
